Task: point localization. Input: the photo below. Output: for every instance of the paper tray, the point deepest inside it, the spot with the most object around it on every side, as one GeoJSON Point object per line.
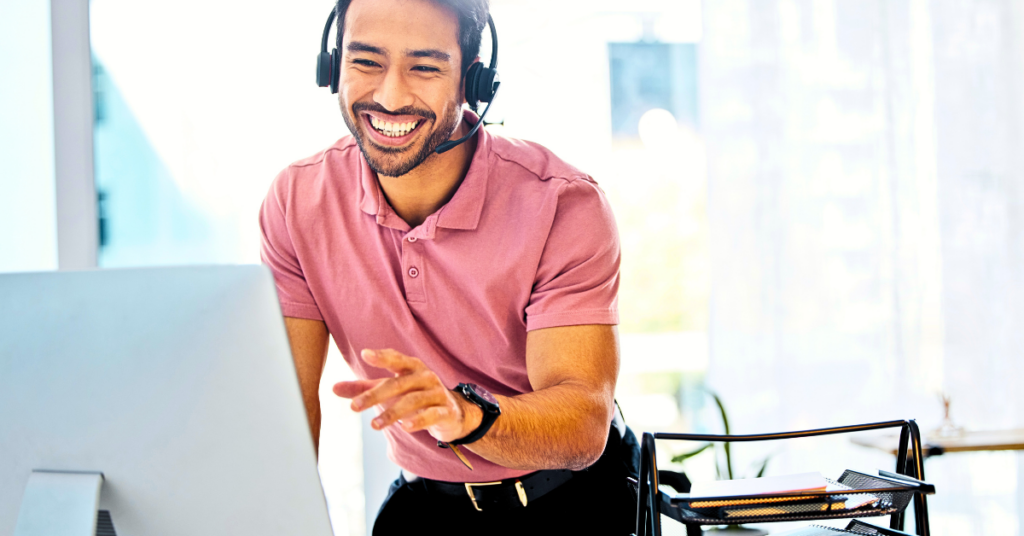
{"type": "Point", "coordinates": [893, 497]}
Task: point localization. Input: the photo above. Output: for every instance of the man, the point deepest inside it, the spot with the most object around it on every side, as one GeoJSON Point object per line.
{"type": "Point", "coordinates": [492, 267]}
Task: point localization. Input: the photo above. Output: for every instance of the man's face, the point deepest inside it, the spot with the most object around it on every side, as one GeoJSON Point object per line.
{"type": "Point", "coordinates": [400, 88]}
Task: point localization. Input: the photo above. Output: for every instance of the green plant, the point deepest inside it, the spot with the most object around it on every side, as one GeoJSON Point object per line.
{"type": "Point", "coordinates": [725, 472]}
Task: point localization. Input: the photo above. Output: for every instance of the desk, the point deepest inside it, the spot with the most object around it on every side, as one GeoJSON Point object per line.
{"type": "Point", "coordinates": [966, 442]}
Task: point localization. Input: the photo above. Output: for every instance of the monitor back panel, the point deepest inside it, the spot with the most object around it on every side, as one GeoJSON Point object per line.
{"type": "Point", "coordinates": [176, 383]}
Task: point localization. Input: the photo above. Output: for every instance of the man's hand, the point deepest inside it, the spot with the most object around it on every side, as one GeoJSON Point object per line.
{"type": "Point", "coordinates": [415, 398]}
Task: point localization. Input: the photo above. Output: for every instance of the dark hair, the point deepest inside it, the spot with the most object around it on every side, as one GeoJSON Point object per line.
{"type": "Point", "coordinates": [472, 16]}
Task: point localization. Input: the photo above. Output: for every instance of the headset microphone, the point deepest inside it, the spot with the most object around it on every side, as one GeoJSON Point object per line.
{"type": "Point", "coordinates": [481, 82]}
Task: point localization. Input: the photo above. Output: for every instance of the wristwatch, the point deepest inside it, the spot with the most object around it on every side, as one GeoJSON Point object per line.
{"type": "Point", "coordinates": [488, 404]}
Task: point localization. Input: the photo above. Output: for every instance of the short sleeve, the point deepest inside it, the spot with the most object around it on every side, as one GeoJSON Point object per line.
{"type": "Point", "coordinates": [277, 250]}
{"type": "Point", "coordinates": [578, 277]}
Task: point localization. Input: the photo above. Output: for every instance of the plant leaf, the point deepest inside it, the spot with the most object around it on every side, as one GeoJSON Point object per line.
{"type": "Point", "coordinates": [682, 457]}
{"type": "Point", "coordinates": [721, 410]}
{"type": "Point", "coordinates": [725, 423]}
{"type": "Point", "coordinates": [764, 466]}
{"type": "Point", "coordinates": [728, 459]}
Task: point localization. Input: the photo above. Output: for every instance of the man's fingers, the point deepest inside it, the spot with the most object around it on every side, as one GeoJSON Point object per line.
{"type": "Point", "coordinates": [354, 388]}
{"type": "Point", "coordinates": [408, 406]}
{"type": "Point", "coordinates": [426, 418]}
{"type": "Point", "coordinates": [390, 388]}
{"type": "Point", "coordinates": [391, 360]}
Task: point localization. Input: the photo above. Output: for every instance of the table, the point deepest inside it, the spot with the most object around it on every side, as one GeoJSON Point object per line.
{"type": "Point", "coordinates": [938, 445]}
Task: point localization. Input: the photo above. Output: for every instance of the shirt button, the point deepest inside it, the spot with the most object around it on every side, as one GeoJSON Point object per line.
{"type": "Point", "coordinates": [412, 238]}
{"type": "Point", "coordinates": [413, 272]}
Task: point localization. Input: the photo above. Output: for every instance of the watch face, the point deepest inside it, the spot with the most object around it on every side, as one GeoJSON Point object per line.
{"type": "Point", "coordinates": [483, 393]}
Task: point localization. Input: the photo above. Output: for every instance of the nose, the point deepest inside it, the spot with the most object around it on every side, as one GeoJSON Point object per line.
{"type": "Point", "coordinates": [393, 92]}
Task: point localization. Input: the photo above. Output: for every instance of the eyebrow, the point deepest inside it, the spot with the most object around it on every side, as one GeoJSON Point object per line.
{"type": "Point", "coordinates": [359, 46]}
{"type": "Point", "coordinates": [429, 53]}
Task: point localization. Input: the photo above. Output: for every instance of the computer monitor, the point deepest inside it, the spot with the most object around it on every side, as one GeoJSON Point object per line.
{"type": "Point", "coordinates": [175, 384]}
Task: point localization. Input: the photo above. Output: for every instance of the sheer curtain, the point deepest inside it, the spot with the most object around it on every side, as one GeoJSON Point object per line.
{"type": "Point", "coordinates": [866, 251]}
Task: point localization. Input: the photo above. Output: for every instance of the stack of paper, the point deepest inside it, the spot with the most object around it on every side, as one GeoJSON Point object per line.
{"type": "Point", "coordinates": [782, 495]}
{"type": "Point", "coordinates": [759, 486]}
{"type": "Point", "coordinates": [814, 531]}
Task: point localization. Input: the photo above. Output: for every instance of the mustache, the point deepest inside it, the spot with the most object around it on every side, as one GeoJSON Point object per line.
{"type": "Point", "coordinates": [405, 110]}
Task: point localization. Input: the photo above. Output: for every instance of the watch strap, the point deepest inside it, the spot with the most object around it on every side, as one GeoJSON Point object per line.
{"type": "Point", "coordinates": [489, 416]}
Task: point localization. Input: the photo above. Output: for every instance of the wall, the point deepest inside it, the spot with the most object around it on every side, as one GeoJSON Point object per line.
{"type": "Point", "coordinates": [28, 228]}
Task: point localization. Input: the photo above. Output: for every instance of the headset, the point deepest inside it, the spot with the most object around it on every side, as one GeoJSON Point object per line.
{"type": "Point", "coordinates": [481, 82]}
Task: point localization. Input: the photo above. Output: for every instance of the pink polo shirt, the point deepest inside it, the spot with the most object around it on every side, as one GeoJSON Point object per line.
{"type": "Point", "coordinates": [527, 242]}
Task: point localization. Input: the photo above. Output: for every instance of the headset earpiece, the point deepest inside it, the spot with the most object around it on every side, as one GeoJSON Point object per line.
{"type": "Point", "coordinates": [480, 85]}
{"type": "Point", "coordinates": [323, 69]}
{"type": "Point", "coordinates": [487, 84]}
{"type": "Point", "coordinates": [472, 75]}
{"type": "Point", "coordinates": [335, 70]}
{"type": "Point", "coordinates": [328, 65]}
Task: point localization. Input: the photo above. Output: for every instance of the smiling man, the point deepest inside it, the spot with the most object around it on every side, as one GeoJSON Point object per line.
{"type": "Point", "coordinates": [472, 291]}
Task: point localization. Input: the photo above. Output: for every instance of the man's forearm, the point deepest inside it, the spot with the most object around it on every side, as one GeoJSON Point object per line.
{"type": "Point", "coordinates": [564, 426]}
{"type": "Point", "coordinates": [308, 340]}
{"type": "Point", "coordinates": [315, 418]}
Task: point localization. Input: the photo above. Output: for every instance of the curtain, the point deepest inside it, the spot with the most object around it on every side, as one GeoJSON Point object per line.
{"type": "Point", "coordinates": [866, 240]}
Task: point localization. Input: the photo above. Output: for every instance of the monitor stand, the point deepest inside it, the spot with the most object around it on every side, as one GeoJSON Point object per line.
{"type": "Point", "coordinates": [59, 502]}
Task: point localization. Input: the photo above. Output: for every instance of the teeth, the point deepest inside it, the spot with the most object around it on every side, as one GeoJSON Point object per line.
{"type": "Point", "coordinates": [393, 130]}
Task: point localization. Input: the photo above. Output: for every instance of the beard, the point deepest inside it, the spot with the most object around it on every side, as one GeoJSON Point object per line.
{"type": "Point", "coordinates": [397, 161]}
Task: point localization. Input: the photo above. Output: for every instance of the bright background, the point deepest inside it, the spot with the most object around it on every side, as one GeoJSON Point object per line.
{"type": "Point", "coordinates": [819, 200]}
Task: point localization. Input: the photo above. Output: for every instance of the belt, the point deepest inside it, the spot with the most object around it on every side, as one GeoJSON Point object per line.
{"type": "Point", "coordinates": [505, 494]}
{"type": "Point", "coordinates": [502, 494]}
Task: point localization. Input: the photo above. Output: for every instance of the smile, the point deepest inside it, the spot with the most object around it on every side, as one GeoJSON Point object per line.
{"type": "Point", "coordinates": [393, 130]}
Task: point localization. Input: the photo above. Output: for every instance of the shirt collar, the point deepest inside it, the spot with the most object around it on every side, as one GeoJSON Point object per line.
{"type": "Point", "coordinates": [461, 212]}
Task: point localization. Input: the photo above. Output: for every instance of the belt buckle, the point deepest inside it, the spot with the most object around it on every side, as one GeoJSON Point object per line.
{"type": "Point", "coordinates": [469, 490]}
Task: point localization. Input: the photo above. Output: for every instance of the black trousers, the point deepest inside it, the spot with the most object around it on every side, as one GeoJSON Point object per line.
{"type": "Point", "coordinates": [598, 500]}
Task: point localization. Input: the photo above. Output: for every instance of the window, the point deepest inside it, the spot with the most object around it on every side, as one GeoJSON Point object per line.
{"type": "Point", "coordinates": [646, 76]}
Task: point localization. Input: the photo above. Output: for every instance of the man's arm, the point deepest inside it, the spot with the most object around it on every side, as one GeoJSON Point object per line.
{"type": "Point", "coordinates": [563, 424]}
{"type": "Point", "coordinates": [309, 339]}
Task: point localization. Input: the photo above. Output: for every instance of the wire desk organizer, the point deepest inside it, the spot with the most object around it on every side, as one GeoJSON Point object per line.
{"type": "Point", "coordinates": [895, 491]}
